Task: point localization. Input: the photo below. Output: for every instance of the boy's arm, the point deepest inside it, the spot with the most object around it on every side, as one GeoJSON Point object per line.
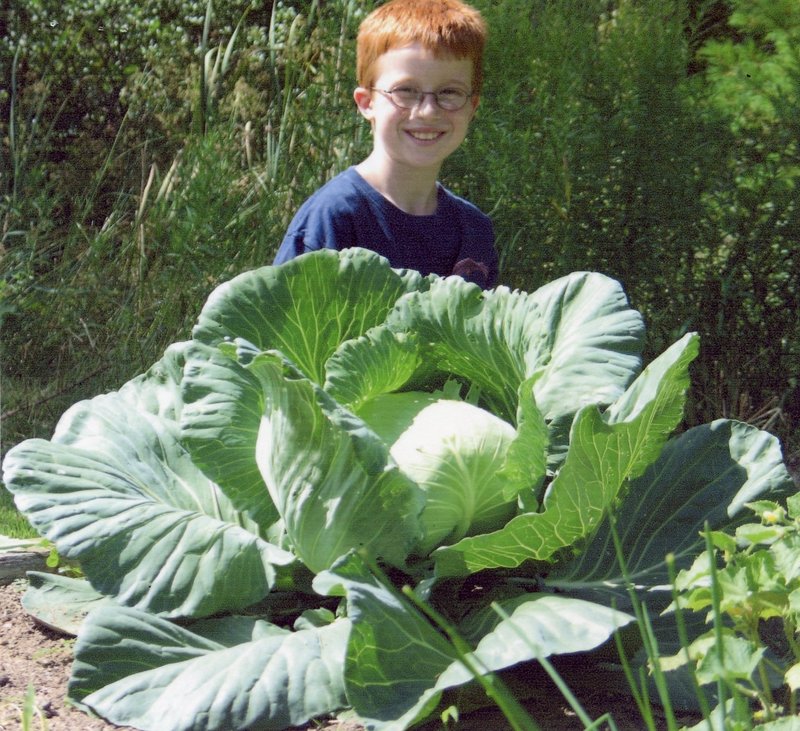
{"type": "Point", "coordinates": [473, 271]}
{"type": "Point", "coordinates": [477, 258]}
{"type": "Point", "coordinates": [316, 227]}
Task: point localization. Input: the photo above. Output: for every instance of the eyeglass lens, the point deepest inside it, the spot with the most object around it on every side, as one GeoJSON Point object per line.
{"type": "Point", "coordinates": [449, 99]}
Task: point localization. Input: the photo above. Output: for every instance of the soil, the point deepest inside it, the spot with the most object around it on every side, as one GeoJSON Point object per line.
{"type": "Point", "coordinates": [34, 656]}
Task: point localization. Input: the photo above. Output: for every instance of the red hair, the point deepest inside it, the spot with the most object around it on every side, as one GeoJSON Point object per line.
{"type": "Point", "coordinates": [444, 27]}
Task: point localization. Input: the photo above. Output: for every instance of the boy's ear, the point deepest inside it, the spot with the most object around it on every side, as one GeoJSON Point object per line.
{"type": "Point", "coordinates": [363, 99]}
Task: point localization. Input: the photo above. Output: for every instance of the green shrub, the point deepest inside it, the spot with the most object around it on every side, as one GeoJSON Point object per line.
{"type": "Point", "coordinates": [748, 583]}
{"type": "Point", "coordinates": [749, 275]}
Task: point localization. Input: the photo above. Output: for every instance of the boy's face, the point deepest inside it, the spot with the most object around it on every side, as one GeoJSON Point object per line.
{"type": "Point", "coordinates": [423, 136]}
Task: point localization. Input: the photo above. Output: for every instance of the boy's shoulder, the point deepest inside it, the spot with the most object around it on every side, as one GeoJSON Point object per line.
{"type": "Point", "coordinates": [466, 208]}
{"type": "Point", "coordinates": [341, 192]}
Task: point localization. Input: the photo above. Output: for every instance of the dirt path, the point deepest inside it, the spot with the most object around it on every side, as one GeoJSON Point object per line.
{"type": "Point", "coordinates": [31, 655]}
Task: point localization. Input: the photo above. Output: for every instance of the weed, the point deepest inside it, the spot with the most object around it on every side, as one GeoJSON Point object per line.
{"type": "Point", "coordinates": [25, 714]}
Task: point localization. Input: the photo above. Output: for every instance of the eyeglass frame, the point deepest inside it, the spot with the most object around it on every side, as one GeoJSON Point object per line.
{"type": "Point", "coordinates": [421, 96]}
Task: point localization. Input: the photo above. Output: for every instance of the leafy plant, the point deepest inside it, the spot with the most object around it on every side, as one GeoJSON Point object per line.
{"type": "Point", "coordinates": [268, 475]}
{"type": "Point", "coordinates": [749, 584]}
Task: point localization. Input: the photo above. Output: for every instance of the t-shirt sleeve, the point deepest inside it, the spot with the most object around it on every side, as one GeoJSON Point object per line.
{"type": "Point", "coordinates": [317, 225]}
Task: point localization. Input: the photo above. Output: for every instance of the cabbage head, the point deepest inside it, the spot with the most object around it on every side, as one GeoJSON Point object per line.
{"type": "Point", "coordinates": [455, 452]}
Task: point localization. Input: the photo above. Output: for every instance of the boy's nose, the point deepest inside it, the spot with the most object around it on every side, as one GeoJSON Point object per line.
{"type": "Point", "coordinates": [427, 103]}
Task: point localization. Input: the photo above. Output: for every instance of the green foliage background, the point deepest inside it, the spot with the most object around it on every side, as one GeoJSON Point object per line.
{"type": "Point", "coordinates": [152, 150]}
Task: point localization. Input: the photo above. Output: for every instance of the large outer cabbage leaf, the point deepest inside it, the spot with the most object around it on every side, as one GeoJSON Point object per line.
{"type": "Point", "coordinates": [158, 390]}
{"type": "Point", "coordinates": [704, 475]}
{"type": "Point", "coordinates": [231, 673]}
{"type": "Point", "coordinates": [398, 665]}
{"type": "Point", "coordinates": [223, 408]}
{"type": "Point", "coordinates": [116, 490]}
{"type": "Point", "coordinates": [61, 602]}
{"type": "Point", "coordinates": [394, 655]}
{"type": "Point", "coordinates": [577, 335]}
{"type": "Point", "coordinates": [307, 307]}
{"type": "Point", "coordinates": [330, 476]}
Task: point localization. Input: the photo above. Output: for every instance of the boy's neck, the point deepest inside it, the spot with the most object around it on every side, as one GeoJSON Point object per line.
{"type": "Point", "coordinates": [412, 190]}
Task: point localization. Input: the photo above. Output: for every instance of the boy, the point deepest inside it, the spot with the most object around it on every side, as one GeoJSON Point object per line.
{"type": "Point", "coordinates": [419, 65]}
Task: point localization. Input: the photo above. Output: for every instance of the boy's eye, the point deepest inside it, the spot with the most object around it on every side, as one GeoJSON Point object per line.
{"type": "Point", "coordinates": [406, 93]}
{"type": "Point", "coordinates": [449, 97]}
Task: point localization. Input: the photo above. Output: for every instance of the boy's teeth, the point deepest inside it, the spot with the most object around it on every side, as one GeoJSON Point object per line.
{"type": "Point", "coordinates": [425, 135]}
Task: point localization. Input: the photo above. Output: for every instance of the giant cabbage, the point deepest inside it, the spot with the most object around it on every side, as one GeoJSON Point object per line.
{"type": "Point", "coordinates": [245, 510]}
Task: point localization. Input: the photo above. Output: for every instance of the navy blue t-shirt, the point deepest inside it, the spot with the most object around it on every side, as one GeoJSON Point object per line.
{"type": "Point", "coordinates": [347, 211]}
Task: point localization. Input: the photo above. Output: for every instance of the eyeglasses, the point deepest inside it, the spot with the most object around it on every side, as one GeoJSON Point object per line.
{"type": "Point", "coordinates": [408, 97]}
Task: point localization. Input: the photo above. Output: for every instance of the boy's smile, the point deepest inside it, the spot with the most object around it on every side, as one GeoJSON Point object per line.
{"type": "Point", "coordinates": [414, 142]}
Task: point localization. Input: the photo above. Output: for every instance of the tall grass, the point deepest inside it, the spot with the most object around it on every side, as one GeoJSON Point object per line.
{"type": "Point", "coordinates": [93, 291]}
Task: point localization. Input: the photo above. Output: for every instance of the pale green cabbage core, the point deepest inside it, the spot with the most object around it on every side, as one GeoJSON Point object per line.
{"type": "Point", "coordinates": [455, 452]}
